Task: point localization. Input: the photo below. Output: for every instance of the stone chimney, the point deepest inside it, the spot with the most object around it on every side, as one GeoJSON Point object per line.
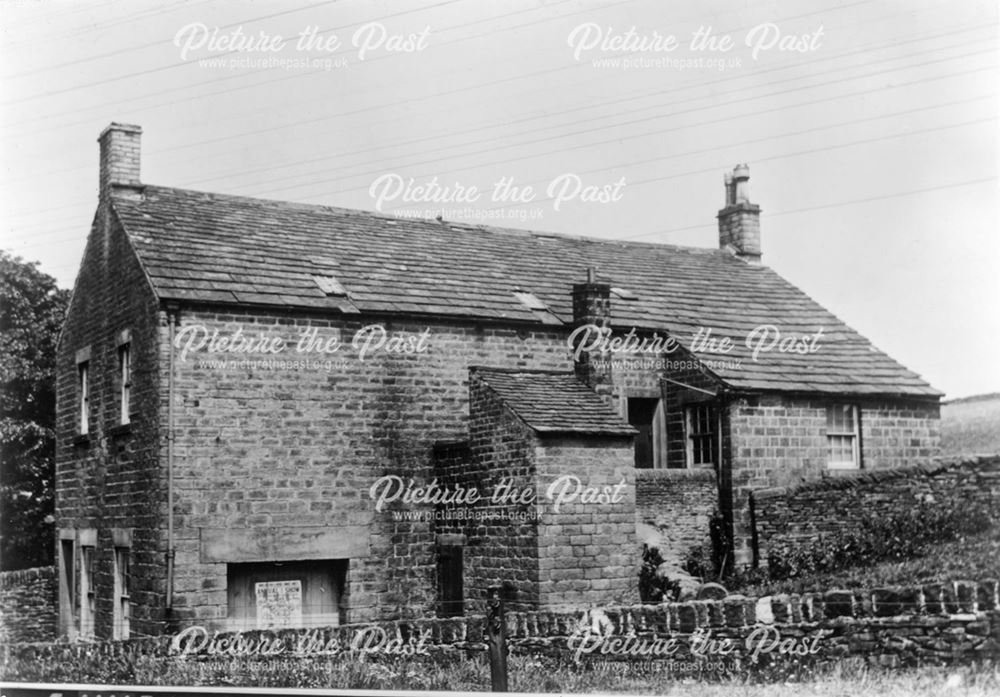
{"type": "Point", "coordinates": [120, 151]}
{"type": "Point", "coordinates": [739, 221]}
{"type": "Point", "coordinates": [592, 307]}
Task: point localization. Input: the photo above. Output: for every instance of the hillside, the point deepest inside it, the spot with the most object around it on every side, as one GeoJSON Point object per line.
{"type": "Point", "coordinates": [971, 425]}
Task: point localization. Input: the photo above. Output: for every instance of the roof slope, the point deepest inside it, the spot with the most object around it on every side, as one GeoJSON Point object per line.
{"type": "Point", "coordinates": [230, 249]}
{"type": "Point", "coordinates": [554, 402]}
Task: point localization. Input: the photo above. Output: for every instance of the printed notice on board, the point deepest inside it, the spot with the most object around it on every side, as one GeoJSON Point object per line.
{"type": "Point", "coordinates": [279, 604]}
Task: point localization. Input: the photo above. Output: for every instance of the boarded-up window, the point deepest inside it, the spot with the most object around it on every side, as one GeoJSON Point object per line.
{"type": "Point", "coordinates": [450, 569]}
{"type": "Point", "coordinates": [272, 595]}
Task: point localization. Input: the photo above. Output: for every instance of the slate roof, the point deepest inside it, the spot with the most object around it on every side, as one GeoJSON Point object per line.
{"type": "Point", "coordinates": [229, 249]}
{"type": "Point", "coordinates": [552, 402]}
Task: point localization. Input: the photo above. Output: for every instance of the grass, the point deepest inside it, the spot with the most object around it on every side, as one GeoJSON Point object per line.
{"type": "Point", "coordinates": [459, 672]}
{"type": "Point", "coordinates": [974, 557]}
{"type": "Point", "coordinates": [971, 425]}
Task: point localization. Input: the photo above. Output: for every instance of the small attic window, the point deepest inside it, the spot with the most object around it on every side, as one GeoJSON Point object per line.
{"type": "Point", "coordinates": [330, 285]}
{"type": "Point", "coordinates": [530, 300]}
{"type": "Point", "coordinates": [624, 294]}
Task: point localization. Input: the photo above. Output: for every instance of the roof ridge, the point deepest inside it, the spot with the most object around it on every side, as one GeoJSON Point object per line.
{"type": "Point", "coordinates": [511, 231]}
{"type": "Point", "coordinates": [522, 371]}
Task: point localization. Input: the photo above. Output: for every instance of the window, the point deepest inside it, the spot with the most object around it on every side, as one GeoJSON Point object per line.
{"type": "Point", "coordinates": [87, 595]}
{"type": "Point", "coordinates": [842, 437]}
{"type": "Point", "coordinates": [125, 377]}
{"type": "Point", "coordinates": [450, 570]}
{"type": "Point", "coordinates": [646, 415]}
{"type": "Point", "coordinates": [67, 583]}
{"type": "Point", "coordinates": [83, 382]}
{"type": "Point", "coordinates": [702, 431]}
{"type": "Point", "coordinates": [122, 609]}
{"type": "Point", "coordinates": [264, 595]}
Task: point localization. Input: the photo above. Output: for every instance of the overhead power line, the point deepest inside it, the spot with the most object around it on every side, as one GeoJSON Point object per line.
{"type": "Point", "coordinates": [574, 134]}
{"type": "Point", "coordinates": [825, 206]}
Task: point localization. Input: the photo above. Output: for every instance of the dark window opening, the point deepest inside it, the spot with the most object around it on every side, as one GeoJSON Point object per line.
{"type": "Point", "coordinates": [450, 590]}
{"type": "Point", "coordinates": [644, 415]}
{"type": "Point", "coordinates": [68, 581]}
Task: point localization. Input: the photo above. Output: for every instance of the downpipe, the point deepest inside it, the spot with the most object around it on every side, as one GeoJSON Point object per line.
{"type": "Point", "coordinates": [171, 332]}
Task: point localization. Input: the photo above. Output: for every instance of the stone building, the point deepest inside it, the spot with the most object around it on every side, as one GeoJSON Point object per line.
{"type": "Point", "coordinates": [274, 414]}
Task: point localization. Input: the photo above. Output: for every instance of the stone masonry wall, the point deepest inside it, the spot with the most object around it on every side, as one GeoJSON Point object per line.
{"type": "Point", "coordinates": [28, 605]}
{"type": "Point", "coordinates": [588, 551]}
{"type": "Point", "coordinates": [777, 441]}
{"type": "Point", "coordinates": [943, 623]}
{"type": "Point", "coordinates": [112, 478]}
{"type": "Point", "coordinates": [790, 515]}
{"type": "Point", "coordinates": [503, 537]}
{"type": "Point", "coordinates": [678, 505]}
{"type": "Point", "coordinates": [294, 445]}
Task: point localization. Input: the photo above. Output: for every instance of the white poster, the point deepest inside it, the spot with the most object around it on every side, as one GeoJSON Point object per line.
{"type": "Point", "coordinates": [279, 604]}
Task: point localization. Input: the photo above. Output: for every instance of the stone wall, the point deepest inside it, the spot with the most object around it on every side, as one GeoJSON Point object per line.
{"type": "Point", "coordinates": [678, 505]}
{"type": "Point", "coordinates": [28, 605]}
{"type": "Point", "coordinates": [943, 623]}
{"type": "Point", "coordinates": [111, 478]}
{"type": "Point", "coordinates": [300, 445]}
{"type": "Point", "coordinates": [789, 515]}
{"type": "Point", "coordinates": [781, 441]}
{"type": "Point", "coordinates": [588, 554]}
{"type": "Point", "coordinates": [502, 540]}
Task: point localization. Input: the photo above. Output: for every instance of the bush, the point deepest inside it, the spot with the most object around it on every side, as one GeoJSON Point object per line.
{"type": "Point", "coordinates": [708, 561]}
{"type": "Point", "coordinates": [880, 538]}
{"type": "Point", "coordinates": [654, 588]}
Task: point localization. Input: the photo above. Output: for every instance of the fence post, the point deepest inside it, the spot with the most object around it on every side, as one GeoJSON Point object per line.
{"type": "Point", "coordinates": [496, 640]}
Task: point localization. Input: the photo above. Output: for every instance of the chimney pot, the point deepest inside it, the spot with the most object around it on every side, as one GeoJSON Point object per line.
{"type": "Point", "coordinates": [727, 178]}
{"type": "Point", "coordinates": [739, 221]}
{"type": "Point", "coordinates": [741, 183]}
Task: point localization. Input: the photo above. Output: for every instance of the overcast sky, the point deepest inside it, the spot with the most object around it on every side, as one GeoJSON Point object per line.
{"type": "Point", "coordinates": [870, 128]}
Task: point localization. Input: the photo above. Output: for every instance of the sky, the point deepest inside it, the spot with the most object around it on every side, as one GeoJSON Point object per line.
{"type": "Point", "coordinates": [869, 126]}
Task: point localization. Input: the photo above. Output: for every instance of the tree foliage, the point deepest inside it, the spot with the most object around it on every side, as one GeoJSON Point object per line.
{"type": "Point", "coordinates": [31, 312]}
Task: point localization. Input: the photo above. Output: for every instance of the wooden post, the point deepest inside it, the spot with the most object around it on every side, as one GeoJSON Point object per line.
{"type": "Point", "coordinates": [496, 640]}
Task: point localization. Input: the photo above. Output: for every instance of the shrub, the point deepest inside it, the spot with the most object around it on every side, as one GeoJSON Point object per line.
{"type": "Point", "coordinates": [708, 561]}
{"type": "Point", "coordinates": [654, 588]}
{"type": "Point", "coordinates": [880, 538]}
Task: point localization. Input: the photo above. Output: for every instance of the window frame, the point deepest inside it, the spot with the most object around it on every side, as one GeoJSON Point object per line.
{"type": "Point", "coordinates": [88, 592]}
{"type": "Point", "coordinates": [854, 434]}
{"type": "Point", "coordinates": [692, 436]}
{"type": "Point", "coordinates": [125, 380]}
{"type": "Point", "coordinates": [83, 394]}
{"type": "Point", "coordinates": [122, 610]}
{"type": "Point", "coordinates": [67, 581]}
